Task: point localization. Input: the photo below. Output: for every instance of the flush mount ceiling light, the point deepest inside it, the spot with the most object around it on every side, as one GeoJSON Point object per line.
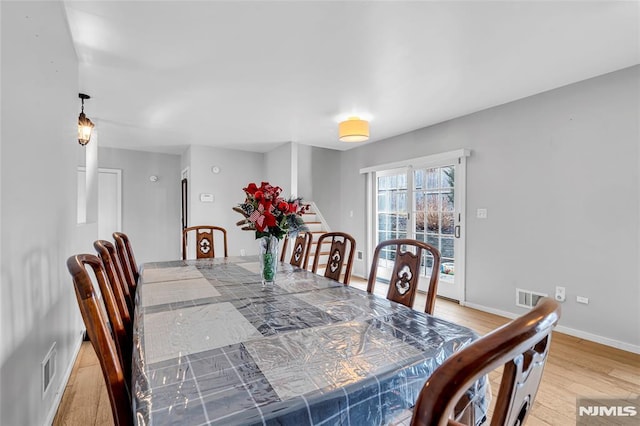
{"type": "Point", "coordinates": [85, 126]}
{"type": "Point", "coordinates": [353, 130]}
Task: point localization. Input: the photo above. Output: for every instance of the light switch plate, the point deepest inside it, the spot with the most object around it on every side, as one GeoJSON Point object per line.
{"type": "Point", "coordinates": [206, 198]}
{"type": "Point", "coordinates": [481, 213]}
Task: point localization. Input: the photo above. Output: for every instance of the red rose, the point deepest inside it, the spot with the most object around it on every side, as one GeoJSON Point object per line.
{"type": "Point", "coordinates": [258, 195]}
{"type": "Point", "coordinates": [251, 189]}
{"type": "Point", "coordinates": [283, 206]}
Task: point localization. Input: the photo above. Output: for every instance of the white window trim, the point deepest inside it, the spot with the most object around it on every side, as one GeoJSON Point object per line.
{"type": "Point", "coordinates": [418, 161]}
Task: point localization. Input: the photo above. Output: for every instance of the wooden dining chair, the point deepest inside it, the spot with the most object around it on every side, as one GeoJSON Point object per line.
{"type": "Point", "coordinates": [403, 283]}
{"type": "Point", "coordinates": [340, 255]}
{"type": "Point", "coordinates": [520, 346]}
{"type": "Point", "coordinates": [109, 256]}
{"type": "Point", "coordinates": [300, 251]}
{"type": "Point", "coordinates": [127, 260]}
{"type": "Point", "coordinates": [99, 327]}
{"type": "Point", "coordinates": [205, 240]}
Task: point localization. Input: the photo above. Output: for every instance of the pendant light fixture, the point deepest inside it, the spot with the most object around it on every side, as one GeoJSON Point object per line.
{"type": "Point", "coordinates": [353, 130]}
{"type": "Point", "coordinates": [85, 126]}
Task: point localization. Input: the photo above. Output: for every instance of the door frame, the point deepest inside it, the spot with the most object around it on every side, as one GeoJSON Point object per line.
{"type": "Point", "coordinates": [456, 157]}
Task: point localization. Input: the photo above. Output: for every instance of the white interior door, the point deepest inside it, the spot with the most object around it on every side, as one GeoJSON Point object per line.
{"type": "Point", "coordinates": [109, 201]}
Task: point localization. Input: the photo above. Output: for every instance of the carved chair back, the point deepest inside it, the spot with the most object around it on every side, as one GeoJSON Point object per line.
{"type": "Point", "coordinates": [340, 255]}
{"type": "Point", "coordinates": [97, 319]}
{"type": "Point", "coordinates": [115, 275]}
{"type": "Point", "coordinates": [406, 271]}
{"type": "Point", "coordinates": [520, 346]}
{"type": "Point", "coordinates": [127, 260]}
{"type": "Point", "coordinates": [205, 240]}
{"type": "Point", "coordinates": [301, 249]}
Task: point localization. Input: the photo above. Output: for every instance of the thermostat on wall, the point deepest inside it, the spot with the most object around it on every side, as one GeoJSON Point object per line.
{"type": "Point", "coordinates": [206, 198]}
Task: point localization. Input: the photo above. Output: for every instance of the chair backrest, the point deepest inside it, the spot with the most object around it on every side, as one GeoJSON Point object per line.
{"type": "Point", "coordinates": [520, 346]}
{"type": "Point", "coordinates": [301, 249]}
{"type": "Point", "coordinates": [127, 260]}
{"type": "Point", "coordinates": [340, 254]}
{"type": "Point", "coordinates": [403, 283]}
{"type": "Point", "coordinates": [99, 328]}
{"type": "Point", "coordinates": [205, 241]}
{"type": "Point", "coordinates": [115, 274]}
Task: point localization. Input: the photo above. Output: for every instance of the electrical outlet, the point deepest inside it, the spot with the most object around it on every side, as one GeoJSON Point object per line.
{"type": "Point", "coordinates": [481, 213]}
{"type": "Point", "coordinates": [561, 294]}
{"type": "Point", "coordinates": [582, 299]}
{"type": "Point", "coordinates": [243, 252]}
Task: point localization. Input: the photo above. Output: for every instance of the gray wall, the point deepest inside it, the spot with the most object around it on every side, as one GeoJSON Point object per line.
{"type": "Point", "coordinates": [150, 210]}
{"type": "Point", "coordinates": [278, 166]}
{"type": "Point", "coordinates": [40, 152]}
{"type": "Point", "coordinates": [558, 173]}
{"type": "Point", "coordinates": [325, 175]}
{"type": "Point", "coordinates": [305, 169]}
{"type": "Point", "coordinates": [237, 170]}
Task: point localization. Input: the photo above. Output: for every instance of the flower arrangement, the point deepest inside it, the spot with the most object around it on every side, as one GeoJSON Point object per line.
{"type": "Point", "coordinates": [269, 214]}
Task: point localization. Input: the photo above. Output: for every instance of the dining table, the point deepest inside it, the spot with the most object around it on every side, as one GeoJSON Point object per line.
{"type": "Point", "coordinates": [214, 345]}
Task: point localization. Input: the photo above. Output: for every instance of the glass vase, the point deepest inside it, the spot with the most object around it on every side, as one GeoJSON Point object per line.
{"type": "Point", "coordinates": [268, 258]}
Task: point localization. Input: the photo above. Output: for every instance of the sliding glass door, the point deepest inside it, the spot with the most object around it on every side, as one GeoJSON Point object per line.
{"type": "Point", "coordinates": [392, 213]}
{"type": "Point", "coordinates": [425, 203]}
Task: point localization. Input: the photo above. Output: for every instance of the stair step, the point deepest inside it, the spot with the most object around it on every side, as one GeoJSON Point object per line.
{"type": "Point", "coordinates": [309, 217]}
{"type": "Point", "coordinates": [314, 226]}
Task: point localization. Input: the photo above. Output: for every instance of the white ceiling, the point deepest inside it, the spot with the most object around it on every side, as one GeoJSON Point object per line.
{"type": "Point", "coordinates": [252, 75]}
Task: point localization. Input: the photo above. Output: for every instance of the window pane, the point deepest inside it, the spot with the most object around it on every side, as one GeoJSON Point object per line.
{"type": "Point", "coordinates": [432, 178]}
{"type": "Point", "coordinates": [383, 202]}
{"type": "Point", "coordinates": [447, 248]}
{"type": "Point", "coordinates": [447, 177]}
{"type": "Point", "coordinates": [401, 204]}
{"type": "Point", "coordinates": [402, 181]}
{"type": "Point", "coordinates": [446, 201]}
{"type": "Point", "coordinates": [402, 223]}
{"type": "Point", "coordinates": [447, 224]}
{"type": "Point", "coordinates": [419, 201]}
{"type": "Point", "coordinates": [393, 222]}
{"type": "Point", "coordinates": [393, 182]}
{"type": "Point", "coordinates": [383, 182]}
{"type": "Point", "coordinates": [419, 179]}
{"type": "Point", "coordinates": [383, 221]}
{"type": "Point", "coordinates": [433, 223]}
{"type": "Point", "coordinates": [427, 262]}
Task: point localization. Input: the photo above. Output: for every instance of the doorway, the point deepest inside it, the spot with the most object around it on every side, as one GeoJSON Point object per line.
{"type": "Point", "coordinates": [424, 201]}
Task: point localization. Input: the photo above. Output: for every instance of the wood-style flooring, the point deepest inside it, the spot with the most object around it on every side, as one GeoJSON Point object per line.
{"type": "Point", "coordinates": [576, 368]}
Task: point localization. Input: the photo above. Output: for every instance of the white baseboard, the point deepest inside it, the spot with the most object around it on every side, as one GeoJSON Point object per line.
{"type": "Point", "coordinates": [566, 330]}
{"type": "Point", "coordinates": [63, 384]}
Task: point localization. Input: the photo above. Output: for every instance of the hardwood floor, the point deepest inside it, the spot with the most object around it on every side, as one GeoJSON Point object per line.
{"type": "Point", "coordinates": [576, 368]}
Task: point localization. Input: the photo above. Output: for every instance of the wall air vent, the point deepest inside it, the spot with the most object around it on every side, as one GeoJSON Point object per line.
{"type": "Point", "coordinates": [48, 369]}
{"type": "Point", "coordinates": [527, 298]}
